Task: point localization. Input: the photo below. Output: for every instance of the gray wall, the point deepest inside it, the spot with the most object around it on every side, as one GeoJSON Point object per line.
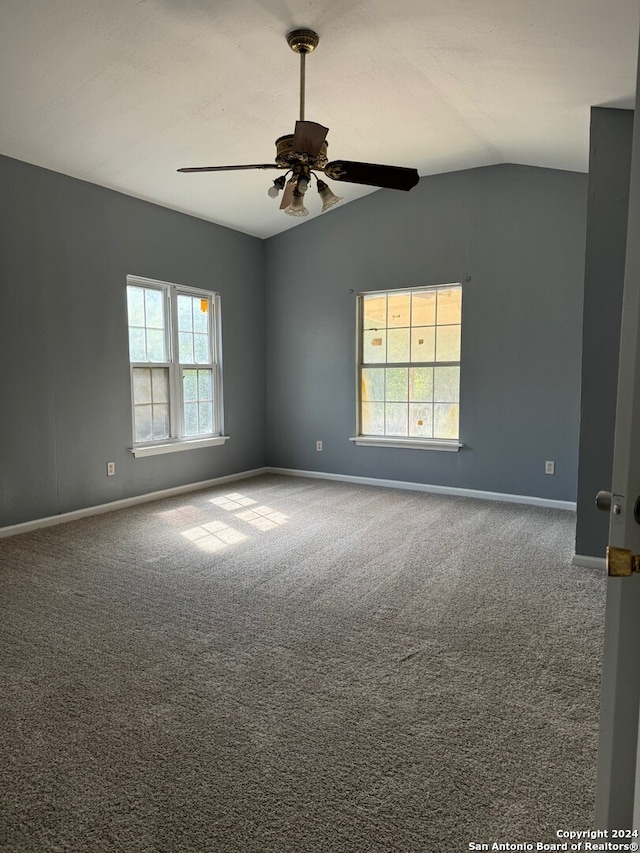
{"type": "Point", "coordinates": [519, 233]}
{"type": "Point", "coordinates": [66, 248]}
{"type": "Point", "coordinates": [609, 175]}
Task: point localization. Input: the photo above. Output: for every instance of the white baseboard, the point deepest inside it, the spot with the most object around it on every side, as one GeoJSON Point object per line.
{"type": "Point", "coordinates": [423, 487]}
{"type": "Point", "coordinates": [589, 562]}
{"type": "Point", "coordinates": [74, 515]}
{"type": "Point", "coordinates": [64, 517]}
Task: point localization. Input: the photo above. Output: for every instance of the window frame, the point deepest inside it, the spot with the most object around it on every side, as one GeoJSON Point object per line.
{"type": "Point", "coordinates": [177, 440]}
{"type": "Point", "coordinates": [413, 442]}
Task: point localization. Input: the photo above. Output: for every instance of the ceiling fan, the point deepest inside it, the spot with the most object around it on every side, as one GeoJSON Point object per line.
{"type": "Point", "coordinates": [303, 153]}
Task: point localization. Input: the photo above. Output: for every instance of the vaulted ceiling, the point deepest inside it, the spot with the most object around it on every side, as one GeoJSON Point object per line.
{"type": "Point", "coordinates": [122, 93]}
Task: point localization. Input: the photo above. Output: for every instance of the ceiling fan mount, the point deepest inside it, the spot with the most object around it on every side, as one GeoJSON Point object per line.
{"type": "Point", "coordinates": [304, 152]}
{"type": "Point", "coordinates": [303, 41]}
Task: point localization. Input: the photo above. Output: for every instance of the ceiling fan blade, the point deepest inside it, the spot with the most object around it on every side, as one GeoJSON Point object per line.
{"type": "Point", "coordinates": [389, 177]}
{"type": "Point", "coordinates": [308, 137]}
{"type": "Point", "coordinates": [287, 195]}
{"type": "Point", "coordinates": [228, 168]}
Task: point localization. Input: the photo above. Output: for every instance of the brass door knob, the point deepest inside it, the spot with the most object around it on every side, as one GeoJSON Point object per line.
{"type": "Point", "coordinates": [621, 563]}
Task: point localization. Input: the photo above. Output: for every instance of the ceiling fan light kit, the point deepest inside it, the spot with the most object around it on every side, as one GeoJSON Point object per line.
{"type": "Point", "coordinates": [304, 152]}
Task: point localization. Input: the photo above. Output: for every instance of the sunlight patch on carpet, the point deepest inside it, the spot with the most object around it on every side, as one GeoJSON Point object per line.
{"type": "Point", "coordinates": [213, 536]}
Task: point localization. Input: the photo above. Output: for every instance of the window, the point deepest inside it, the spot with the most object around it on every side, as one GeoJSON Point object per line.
{"type": "Point", "coordinates": [409, 367]}
{"type": "Point", "coordinates": [174, 352]}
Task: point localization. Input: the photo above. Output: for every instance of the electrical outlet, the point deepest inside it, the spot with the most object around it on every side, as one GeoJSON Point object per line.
{"type": "Point", "coordinates": [318, 445]}
{"type": "Point", "coordinates": [549, 467]}
{"type": "Point", "coordinates": [111, 469]}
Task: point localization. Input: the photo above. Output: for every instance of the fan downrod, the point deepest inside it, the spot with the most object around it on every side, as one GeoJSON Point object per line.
{"type": "Point", "coordinates": [303, 41]}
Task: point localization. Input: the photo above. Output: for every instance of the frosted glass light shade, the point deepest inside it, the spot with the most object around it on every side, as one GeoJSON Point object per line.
{"type": "Point", "coordinates": [297, 208]}
{"type": "Point", "coordinates": [328, 197]}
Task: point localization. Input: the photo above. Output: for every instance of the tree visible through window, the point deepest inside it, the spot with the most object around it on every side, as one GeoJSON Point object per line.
{"type": "Point", "coordinates": [174, 356]}
{"type": "Point", "coordinates": [409, 362]}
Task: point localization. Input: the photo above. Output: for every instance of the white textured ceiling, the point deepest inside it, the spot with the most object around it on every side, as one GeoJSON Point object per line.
{"type": "Point", "coordinates": [121, 93]}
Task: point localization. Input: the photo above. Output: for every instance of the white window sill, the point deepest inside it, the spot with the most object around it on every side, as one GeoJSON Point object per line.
{"type": "Point", "coordinates": [413, 443]}
{"type": "Point", "coordinates": [176, 446]}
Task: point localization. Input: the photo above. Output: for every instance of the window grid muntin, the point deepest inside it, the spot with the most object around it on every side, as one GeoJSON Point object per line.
{"type": "Point", "coordinates": [201, 405]}
{"type": "Point", "coordinates": [182, 366]}
{"type": "Point", "coordinates": [145, 327]}
{"type": "Point", "coordinates": [176, 401]}
{"type": "Point", "coordinates": [437, 408]}
{"type": "Point", "coordinates": [153, 405]}
{"type": "Point", "coordinates": [198, 335]}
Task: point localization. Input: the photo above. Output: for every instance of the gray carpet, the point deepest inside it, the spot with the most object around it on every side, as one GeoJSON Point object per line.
{"type": "Point", "coordinates": [284, 665]}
